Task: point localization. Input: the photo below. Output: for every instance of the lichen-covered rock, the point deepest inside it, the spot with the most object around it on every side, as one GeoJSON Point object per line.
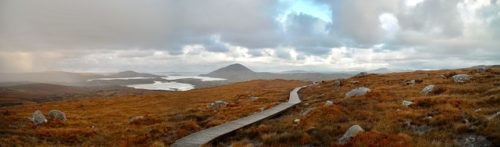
{"type": "Point", "coordinates": [328, 103]}
{"type": "Point", "coordinates": [57, 115]}
{"type": "Point", "coordinates": [357, 92]}
{"type": "Point", "coordinates": [38, 118]}
{"type": "Point", "coordinates": [461, 78]}
{"type": "Point", "coordinates": [350, 133]}
{"type": "Point", "coordinates": [427, 90]}
{"type": "Point", "coordinates": [217, 104]}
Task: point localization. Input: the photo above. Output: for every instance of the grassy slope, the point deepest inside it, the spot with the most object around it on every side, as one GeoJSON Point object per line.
{"type": "Point", "coordinates": [382, 114]}
{"type": "Point", "coordinates": [168, 115]}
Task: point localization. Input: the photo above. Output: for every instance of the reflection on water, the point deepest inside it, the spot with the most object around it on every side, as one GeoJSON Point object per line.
{"type": "Point", "coordinates": [170, 86]}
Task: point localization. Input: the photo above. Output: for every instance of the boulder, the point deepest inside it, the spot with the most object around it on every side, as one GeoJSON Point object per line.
{"type": "Point", "coordinates": [407, 103]}
{"type": "Point", "coordinates": [357, 92]}
{"type": "Point", "coordinates": [38, 118]}
{"type": "Point", "coordinates": [427, 90]}
{"type": "Point", "coordinates": [328, 103]}
{"type": "Point", "coordinates": [217, 104]}
{"type": "Point", "coordinates": [461, 78]}
{"type": "Point", "coordinates": [57, 115]}
{"type": "Point", "coordinates": [350, 133]}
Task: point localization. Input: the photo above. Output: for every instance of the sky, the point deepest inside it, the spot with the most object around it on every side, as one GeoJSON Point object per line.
{"type": "Point", "coordinates": [266, 35]}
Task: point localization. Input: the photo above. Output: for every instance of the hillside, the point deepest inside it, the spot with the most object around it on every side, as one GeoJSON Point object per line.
{"type": "Point", "coordinates": [454, 114]}
{"type": "Point", "coordinates": [27, 93]}
{"type": "Point", "coordinates": [166, 116]}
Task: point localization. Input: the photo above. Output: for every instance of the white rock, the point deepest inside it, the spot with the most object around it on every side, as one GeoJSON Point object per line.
{"type": "Point", "coordinates": [328, 103]}
{"type": "Point", "coordinates": [427, 89]}
{"type": "Point", "coordinates": [357, 92]}
{"type": "Point", "coordinates": [461, 78]}
{"type": "Point", "coordinates": [350, 133]}
{"type": "Point", "coordinates": [38, 118]}
{"type": "Point", "coordinates": [296, 121]}
{"type": "Point", "coordinates": [57, 115]}
{"type": "Point", "coordinates": [407, 103]}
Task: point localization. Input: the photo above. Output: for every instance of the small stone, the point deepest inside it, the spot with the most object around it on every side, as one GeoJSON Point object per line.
{"type": "Point", "coordinates": [357, 92]}
{"type": "Point", "coordinates": [407, 103]}
{"type": "Point", "coordinates": [328, 103]}
{"type": "Point", "coordinates": [350, 133]}
{"type": "Point", "coordinates": [354, 82]}
{"type": "Point", "coordinates": [38, 118]}
{"type": "Point", "coordinates": [296, 121]}
{"type": "Point", "coordinates": [477, 110]}
{"type": "Point", "coordinates": [57, 115]}
{"type": "Point", "coordinates": [427, 89]}
{"type": "Point", "coordinates": [135, 119]}
{"type": "Point", "coordinates": [253, 98]}
{"type": "Point", "coordinates": [461, 78]}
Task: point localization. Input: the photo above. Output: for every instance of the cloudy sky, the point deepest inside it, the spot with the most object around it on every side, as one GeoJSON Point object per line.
{"type": "Point", "coordinates": [194, 35]}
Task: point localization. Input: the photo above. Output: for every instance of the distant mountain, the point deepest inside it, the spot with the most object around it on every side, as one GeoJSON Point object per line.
{"type": "Point", "coordinates": [129, 73]}
{"type": "Point", "coordinates": [238, 72]}
{"type": "Point", "coordinates": [235, 72]}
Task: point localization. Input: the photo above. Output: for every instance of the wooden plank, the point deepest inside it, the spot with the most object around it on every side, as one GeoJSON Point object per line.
{"type": "Point", "coordinates": [207, 135]}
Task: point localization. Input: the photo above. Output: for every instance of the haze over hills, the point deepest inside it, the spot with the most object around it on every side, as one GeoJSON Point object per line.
{"type": "Point", "coordinates": [238, 72]}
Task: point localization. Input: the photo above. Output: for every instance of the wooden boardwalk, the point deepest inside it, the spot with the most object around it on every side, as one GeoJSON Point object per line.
{"type": "Point", "coordinates": [204, 136]}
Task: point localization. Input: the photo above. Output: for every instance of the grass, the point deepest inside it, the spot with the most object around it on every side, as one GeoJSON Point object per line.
{"type": "Point", "coordinates": [104, 121]}
{"type": "Point", "coordinates": [438, 119]}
